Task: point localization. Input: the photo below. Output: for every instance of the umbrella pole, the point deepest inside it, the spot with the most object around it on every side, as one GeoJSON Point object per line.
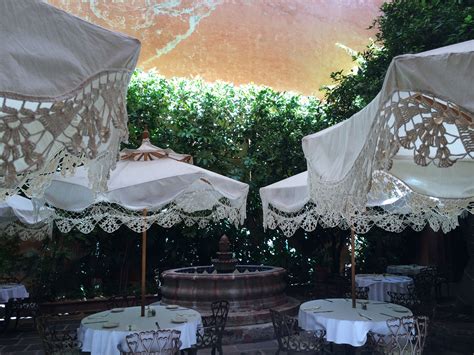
{"type": "Point", "coordinates": [143, 264]}
{"type": "Point", "coordinates": [353, 268]}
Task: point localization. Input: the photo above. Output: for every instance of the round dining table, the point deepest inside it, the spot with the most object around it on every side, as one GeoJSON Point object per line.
{"type": "Point", "coordinates": [101, 333]}
{"type": "Point", "coordinates": [380, 284]}
{"type": "Point", "coordinates": [12, 291]}
{"type": "Point", "coordinates": [408, 270]}
{"type": "Point", "coordinates": [347, 325]}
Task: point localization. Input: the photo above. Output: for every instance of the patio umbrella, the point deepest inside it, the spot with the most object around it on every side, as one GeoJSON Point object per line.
{"type": "Point", "coordinates": [18, 216]}
{"type": "Point", "coordinates": [63, 85]}
{"type": "Point", "coordinates": [149, 185]}
{"type": "Point", "coordinates": [414, 141]}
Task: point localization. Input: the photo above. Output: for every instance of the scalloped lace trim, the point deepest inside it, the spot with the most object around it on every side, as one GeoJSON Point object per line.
{"type": "Point", "coordinates": [415, 211]}
{"type": "Point", "coordinates": [38, 231]}
{"type": "Point", "coordinates": [197, 207]}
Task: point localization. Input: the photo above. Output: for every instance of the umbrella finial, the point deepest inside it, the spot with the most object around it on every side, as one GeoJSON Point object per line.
{"type": "Point", "coordinates": [145, 134]}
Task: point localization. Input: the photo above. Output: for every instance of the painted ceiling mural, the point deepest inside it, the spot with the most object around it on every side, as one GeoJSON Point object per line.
{"type": "Point", "coordinates": [285, 44]}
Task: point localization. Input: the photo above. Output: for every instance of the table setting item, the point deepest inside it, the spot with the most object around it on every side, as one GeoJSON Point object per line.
{"type": "Point", "coordinates": [109, 325]}
{"type": "Point", "coordinates": [399, 310]}
{"type": "Point", "coordinates": [364, 316]}
{"type": "Point", "coordinates": [96, 321]}
{"type": "Point", "coordinates": [179, 319]}
{"type": "Point", "coordinates": [387, 315]}
{"type": "Point", "coordinates": [312, 308]}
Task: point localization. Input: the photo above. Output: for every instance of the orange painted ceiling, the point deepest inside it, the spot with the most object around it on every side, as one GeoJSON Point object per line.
{"type": "Point", "coordinates": [285, 44]}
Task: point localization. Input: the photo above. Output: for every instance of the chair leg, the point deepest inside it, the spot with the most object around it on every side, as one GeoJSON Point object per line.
{"type": "Point", "coordinates": [17, 315]}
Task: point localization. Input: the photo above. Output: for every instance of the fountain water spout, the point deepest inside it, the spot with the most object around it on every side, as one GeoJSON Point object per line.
{"type": "Point", "coordinates": [225, 263]}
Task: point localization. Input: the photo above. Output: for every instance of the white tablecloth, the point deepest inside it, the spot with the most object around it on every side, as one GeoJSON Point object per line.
{"type": "Point", "coordinates": [344, 324]}
{"type": "Point", "coordinates": [8, 291]}
{"type": "Point", "coordinates": [100, 341]}
{"type": "Point", "coordinates": [379, 285]}
{"type": "Point", "coordinates": [409, 270]}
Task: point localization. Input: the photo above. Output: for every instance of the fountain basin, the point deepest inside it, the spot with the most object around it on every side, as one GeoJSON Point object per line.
{"type": "Point", "coordinates": [251, 291]}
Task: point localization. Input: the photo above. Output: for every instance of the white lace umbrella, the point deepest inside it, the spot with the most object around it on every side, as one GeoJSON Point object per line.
{"type": "Point", "coordinates": [63, 84]}
{"type": "Point", "coordinates": [18, 216]}
{"type": "Point", "coordinates": [414, 144]}
{"type": "Point", "coordinates": [416, 137]}
{"type": "Point", "coordinates": [149, 185]}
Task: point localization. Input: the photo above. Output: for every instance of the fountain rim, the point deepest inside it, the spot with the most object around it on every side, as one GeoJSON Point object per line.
{"type": "Point", "coordinates": [178, 272]}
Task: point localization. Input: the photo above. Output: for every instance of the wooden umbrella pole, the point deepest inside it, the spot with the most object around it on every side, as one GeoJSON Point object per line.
{"type": "Point", "coordinates": [353, 268]}
{"type": "Point", "coordinates": [143, 263]}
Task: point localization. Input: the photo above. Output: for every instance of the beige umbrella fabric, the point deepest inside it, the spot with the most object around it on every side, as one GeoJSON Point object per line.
{"type": "Point", "coordinates": [63, 86]}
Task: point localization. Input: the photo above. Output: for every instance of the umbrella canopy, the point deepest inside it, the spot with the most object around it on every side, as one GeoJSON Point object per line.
{"type": "Point", "coordinates": [18, 216]}
{"type": "Point", "coordinates": [170, 190]}
{"type": "Point", "coordinates": [416, 138]}
{"type": "Point", "coordinates": [63, 84]}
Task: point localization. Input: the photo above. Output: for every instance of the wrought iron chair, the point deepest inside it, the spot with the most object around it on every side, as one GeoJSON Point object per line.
{"type": "Point", "coordinates": [408, 299]}
{"type": "Point", "coordinates": [7, 309]}
{"type": "Point", "coordinates": [22, 308]}
{"type": "Point", "coordinates": [361, 293]}
{"type": "Point", "coordinates": [407, 336]}
{"type": "Point", "coordinates": [54, 340]}
{"type": "Point", "coordinates": [443, 277]}
{"type": "Point", "coordinates": [425, 283]}
{"type": "Point", "coordinates": [122, 301]}
{"type": "Point", "coordinates": [411, 301]}
{"type": "Point", "coordinates": [159, 342]}
{"type": "Point", "coordinates": [9, 280]}
{"type": "Point", "coordinates": [293, 340]}
{"type": "Point", "coordinates": [212, 330]}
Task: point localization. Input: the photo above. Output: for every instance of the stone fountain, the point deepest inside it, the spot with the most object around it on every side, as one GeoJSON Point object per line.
{"type": "Point", "coordinates": [252, 290]}
{"type": "Point", "coordinates": [225, 261]}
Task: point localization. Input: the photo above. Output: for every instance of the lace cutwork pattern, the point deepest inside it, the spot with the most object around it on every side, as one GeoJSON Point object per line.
{"type": "Point", "coordinates": [39, 135]}
{"type": "Point", "coordinates": [436, 130]}
{"type": "Point", "coordinates": [187, 208]}
{"type": "Point", "coordinates": [38, 231]}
